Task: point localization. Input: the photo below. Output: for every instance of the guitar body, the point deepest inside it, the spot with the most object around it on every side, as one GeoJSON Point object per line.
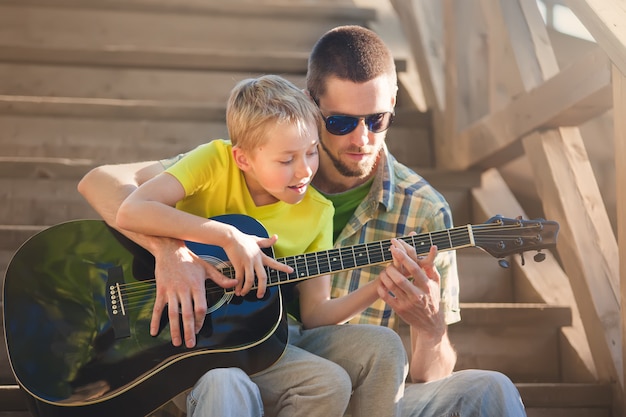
{"type": "Point", "coordinates": [79, 347]}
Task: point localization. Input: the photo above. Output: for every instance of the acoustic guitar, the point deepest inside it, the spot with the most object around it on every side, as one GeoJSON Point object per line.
{"type": "Point", "coordinates": [78, 299]}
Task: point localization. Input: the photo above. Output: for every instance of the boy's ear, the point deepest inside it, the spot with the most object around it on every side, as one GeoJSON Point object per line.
{"type": "Point", "coordinates": [241, 158]}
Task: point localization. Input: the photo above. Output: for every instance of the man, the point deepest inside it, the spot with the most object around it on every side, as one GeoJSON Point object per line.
{"type": "Point", "coordinates": [351, 76]}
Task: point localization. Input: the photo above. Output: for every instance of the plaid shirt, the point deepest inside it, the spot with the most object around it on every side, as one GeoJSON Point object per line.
{"type": "Point", "coordinates": [399, 201]}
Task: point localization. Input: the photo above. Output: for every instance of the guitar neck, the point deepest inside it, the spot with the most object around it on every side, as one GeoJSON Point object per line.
{"type": "Point", "coordinates": [314, 264]}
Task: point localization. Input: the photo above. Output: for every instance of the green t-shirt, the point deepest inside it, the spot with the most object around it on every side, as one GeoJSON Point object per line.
{"type": "Point", "coordinates": [345, 203]}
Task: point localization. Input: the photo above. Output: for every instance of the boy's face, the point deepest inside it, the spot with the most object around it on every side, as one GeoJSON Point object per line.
{"type": "Point", "coordinates": [354, 154]}
{"type": "Point", "coordinates": [281, 168]}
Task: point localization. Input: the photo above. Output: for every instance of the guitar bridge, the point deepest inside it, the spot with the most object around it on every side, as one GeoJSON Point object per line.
{"type": "Point", "coordinates": [115, 303]}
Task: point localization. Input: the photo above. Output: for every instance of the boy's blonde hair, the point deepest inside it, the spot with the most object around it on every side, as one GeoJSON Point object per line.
{"type": "Point", "coordinates": [256, 102]}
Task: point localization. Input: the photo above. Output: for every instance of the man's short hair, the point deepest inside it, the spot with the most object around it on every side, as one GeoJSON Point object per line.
{"type": "Point", "coordinates": [351, 53]}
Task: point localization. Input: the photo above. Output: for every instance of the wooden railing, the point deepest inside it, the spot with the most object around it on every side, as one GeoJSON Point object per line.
{"type": "Point", "coordinates": [491, 78]}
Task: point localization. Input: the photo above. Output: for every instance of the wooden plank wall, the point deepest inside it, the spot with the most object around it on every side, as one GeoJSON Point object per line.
{"type": "Point", "coordinates": [491, 78]}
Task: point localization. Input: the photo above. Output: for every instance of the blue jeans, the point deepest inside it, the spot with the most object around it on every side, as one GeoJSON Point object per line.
{"type": "Point", "coordinates": [339, 360]}
{"type": "Point", "coordinates": [468, 393]}
{"type": "Point", "coordinates": [324, 372]}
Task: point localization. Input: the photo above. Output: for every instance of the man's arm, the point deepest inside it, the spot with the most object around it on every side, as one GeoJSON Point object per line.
{"type": "Point", "coordinates": [179, 273]}
{"type": "Point", "coordinates": [107, 186]}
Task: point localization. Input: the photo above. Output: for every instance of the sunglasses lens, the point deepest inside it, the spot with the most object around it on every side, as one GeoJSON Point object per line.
{"type": "Point", "coordinates": [341, 125]}
{"type": "Point", "coordinates": [378, 122]}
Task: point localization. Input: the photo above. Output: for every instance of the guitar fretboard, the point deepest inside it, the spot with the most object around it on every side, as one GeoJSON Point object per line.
{"type": "Point", "coordinates": [335, 260]}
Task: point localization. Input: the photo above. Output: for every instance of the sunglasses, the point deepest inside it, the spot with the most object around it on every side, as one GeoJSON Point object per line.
{"type": "Point", "coordinates": [342, 125]}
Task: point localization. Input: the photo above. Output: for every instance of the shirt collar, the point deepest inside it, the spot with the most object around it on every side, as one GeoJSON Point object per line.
{"type": "Point", "coordinates": [384, 182]}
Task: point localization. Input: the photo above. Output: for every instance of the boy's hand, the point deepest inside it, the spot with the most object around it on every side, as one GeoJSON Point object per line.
{"type": "Point", "coordinates": [245, 254]}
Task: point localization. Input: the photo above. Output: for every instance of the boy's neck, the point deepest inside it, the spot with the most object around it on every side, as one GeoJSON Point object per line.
{"type": "Point", "coordinates": [259, 195]}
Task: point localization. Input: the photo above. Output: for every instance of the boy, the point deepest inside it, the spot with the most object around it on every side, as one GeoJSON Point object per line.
{"type": "Point", "coordinates": [264, 172]}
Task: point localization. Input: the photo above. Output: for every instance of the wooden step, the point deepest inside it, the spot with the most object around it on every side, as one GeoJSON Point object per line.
{"type": "Point", "coordinates": [44, 167]}
{"type": "Point", "coordinates": [317, 9]}
{"type": "Point", "coordinates": [483, 279]}
{"type": "Point", "coordinates": [42, 191]}
{"type": "Point", "coordinates": [540, 400]}
{"type": "Point", "coordinates": [38, 201]}
{"type": "Point", "coordinates": [261, 61]}
{"type": "Point", "coordinates": [12, 236]}
{"type": "Point", "coordinates": [159, 24]}
{"type": "Point", "coordinates": [102, 140]}
{"type": "Point", "coordinates": [132, 84]}
{"type": "Point", "coordinates": [110, 108]}
{"type": "Point", "coordinates": [566, 399]}
{"type": "Point", "coordinates": [107, 131]}
{"type": "Point", "coordinates": [520, 340]}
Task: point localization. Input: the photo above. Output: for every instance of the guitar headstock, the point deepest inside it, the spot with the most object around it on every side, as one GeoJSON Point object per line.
{"type": "Point", "coordinates": [501, 237]}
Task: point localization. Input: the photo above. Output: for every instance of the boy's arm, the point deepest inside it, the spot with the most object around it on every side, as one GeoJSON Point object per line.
{"type": "Point", "coordinates": [318, 309]}
{"type": "Point", "coordinates": [150, 210]}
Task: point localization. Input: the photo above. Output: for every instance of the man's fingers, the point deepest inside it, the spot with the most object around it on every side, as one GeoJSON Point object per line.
{"type": "Point", "coordinates": [199, 309]}
{"type": "Point", "coordinates": [174, 319]}
{"type": "Point", "coordinates": [189, 327]}
{"type": "Point", "coordinates": [157, 313]}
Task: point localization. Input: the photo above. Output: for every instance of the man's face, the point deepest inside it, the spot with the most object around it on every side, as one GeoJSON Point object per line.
{"type": "Point", "coordinates": [354, 154]}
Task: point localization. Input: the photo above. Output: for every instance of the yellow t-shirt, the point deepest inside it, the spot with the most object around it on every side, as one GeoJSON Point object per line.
{"type": "Point", "coordinates": [214, 185]}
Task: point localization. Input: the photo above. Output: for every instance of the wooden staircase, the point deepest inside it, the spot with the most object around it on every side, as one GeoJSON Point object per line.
{"type": "Point", "coordinates": [111, 81]}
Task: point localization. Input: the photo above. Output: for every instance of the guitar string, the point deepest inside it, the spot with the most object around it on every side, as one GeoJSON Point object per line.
{"type": "Point", "coordinates": [301, 259]}
{"type": "Point", "coordinates": [134, 294]}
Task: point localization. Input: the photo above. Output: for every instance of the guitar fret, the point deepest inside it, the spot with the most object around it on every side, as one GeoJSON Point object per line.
{"type": "Point", "coordinates": [325, 265]}
{"type": "Point", "coordinates": [300, 261]}
{"type": "Point", "coordinates": [270, 275]}
{"type": "Point", "coordinates": [461, 241]}
{"type": "Point", "coordinates": [384, 254]}
{"type": "Point", "coordinates": [313, 267]}
{"type": "Point", "coordinates": [291, 261]}
{"type": "Point", "coordinates": [362, 255]}
{"type": "Point", "coordinates": [346, 260]}
{"type": "Point", "coordinates": [440, 239]}
{"type": "Point", "coordinates": [334, 257]}
{"type": "Point", "coordinates": [421, 244]}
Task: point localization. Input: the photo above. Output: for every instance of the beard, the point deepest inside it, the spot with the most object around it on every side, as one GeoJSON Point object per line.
{"type": "Point", "coordinates": [360, 170]}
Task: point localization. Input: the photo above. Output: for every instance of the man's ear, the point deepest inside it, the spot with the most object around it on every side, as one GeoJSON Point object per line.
{"type": "Point", "coordinates": [308, 94]}
{"type": "Point", "coordinates": [241, 158]}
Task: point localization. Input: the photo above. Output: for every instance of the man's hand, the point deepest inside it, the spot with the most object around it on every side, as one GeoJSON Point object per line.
{"type": "Point", "coordinates": [411, 286]}
{"type": "Point", "coordinates": [180, 276]}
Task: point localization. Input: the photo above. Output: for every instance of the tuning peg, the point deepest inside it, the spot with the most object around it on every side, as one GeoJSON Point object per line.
{"type": "Point", "coordinates": [539, 256]}
{"type": "Point", "coordinates": [503, 263]}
